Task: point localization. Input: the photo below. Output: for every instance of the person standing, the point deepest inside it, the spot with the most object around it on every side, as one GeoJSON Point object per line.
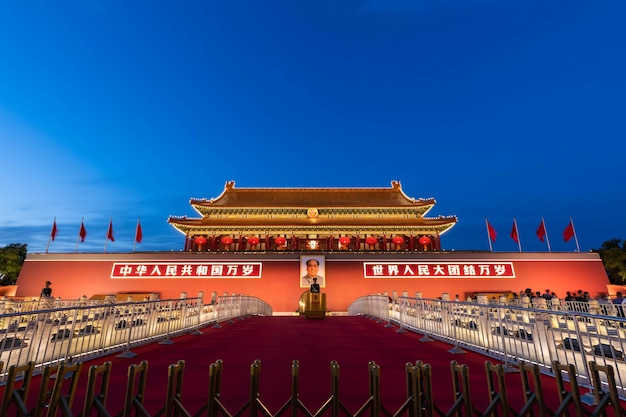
{"type": "Point", "coordinates": [618, 302]}
{"type": "Point", "coordinates": [47, 290]}
{"type": "Point", "coordinates": [315, 287]}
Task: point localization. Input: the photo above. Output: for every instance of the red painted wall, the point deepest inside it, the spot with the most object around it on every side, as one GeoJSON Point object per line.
{"type": "Point", "coordinates": [74, 275]}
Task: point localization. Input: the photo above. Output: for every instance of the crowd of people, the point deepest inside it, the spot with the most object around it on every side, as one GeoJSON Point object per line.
{"type": "Point", "coordinates": [580, 295]}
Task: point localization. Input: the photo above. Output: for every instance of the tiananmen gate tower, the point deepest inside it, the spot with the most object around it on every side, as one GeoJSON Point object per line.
{"type": "Point", "coordinates": [322, 219]}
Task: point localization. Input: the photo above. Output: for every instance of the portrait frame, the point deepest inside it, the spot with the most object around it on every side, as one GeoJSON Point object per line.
{"type": "Point", "coordinates": [321, 272]}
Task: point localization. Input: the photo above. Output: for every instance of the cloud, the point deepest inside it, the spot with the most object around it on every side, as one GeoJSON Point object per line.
{"type": "Point", "coordinates": [42, 179]}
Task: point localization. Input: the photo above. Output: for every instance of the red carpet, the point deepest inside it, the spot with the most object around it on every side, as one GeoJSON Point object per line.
{"type": "Point", "coordinates": [276, 342]}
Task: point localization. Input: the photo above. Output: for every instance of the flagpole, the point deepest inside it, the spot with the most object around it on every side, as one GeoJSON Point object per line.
{"type": "Point", "coordinates": [488, 235]}
{"type": "Point", "coordinates": [51, 231]}
{"type": "Point", "coordinates": [546, 232]}
{"type": "Point", "coordinates": [106, 237]}
{"type": "Point", "coordinates": [519, 241]}
{"type": "Point", "coordinates": [78, 237]}
{"type": "Point", "coordinates": [575, 237]}
{"type": "Point", "coordinates": [137, 228]}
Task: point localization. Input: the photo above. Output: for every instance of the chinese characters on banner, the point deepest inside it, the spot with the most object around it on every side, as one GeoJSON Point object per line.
{"type": "Point", "coordinates": [438, 270]}
{"type": "Point", "coordinates": [187, 270]}
{"type": "Point", "coordinates": [370, 270]}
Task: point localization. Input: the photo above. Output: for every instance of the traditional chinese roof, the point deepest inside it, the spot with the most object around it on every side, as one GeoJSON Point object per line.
{"type": "Point", "coordinates": [312, 210]}
{"type": "Point", "coordinates": [312, 197]}
{"type": "Point", "coordinates": [307, 225]}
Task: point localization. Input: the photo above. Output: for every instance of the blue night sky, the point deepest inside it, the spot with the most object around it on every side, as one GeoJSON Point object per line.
{"type": "Point", "coordinates": [497, 109]}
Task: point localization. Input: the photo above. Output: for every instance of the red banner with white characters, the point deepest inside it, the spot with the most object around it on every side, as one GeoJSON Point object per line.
{"type": "Point", "coordinates": [438, 270]}
{"type": "Point", "coordinates": [187, 270]}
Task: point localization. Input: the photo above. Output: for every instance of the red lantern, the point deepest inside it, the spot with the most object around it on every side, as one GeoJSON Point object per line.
{"type": "Point", "coordinates": [253, 240]}
{"type": "Point", "coordinates": [280, 241]}
{"type": "Point", "coordinates": [227, 240]}
{"type": "Point", "coordinates": [199, 240]}
{"type": "Point", "coordinates": [371, 241]}
{"type": "Point", "coordinates": [344, 240]}
{"type": "Point", "coordinates": [398, 240]}
{"type": "Point", "coordinates": [424, 241]}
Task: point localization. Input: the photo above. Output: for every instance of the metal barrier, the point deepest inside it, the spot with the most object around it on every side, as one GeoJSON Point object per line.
{"type": "Point", "coordinates": [79, 331]}
{"type": "Point", "coordinates": [234, 306]}
{"type": "Point", "coordinates": [58, 394]}
{"type": "Point", "coordinates": [567, 332]}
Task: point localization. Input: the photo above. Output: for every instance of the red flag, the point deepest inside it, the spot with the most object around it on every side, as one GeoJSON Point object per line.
{"type": "Point", "coordinates": [541, 231]}
{"type": "Point", "coordinates": [53, 233]}
{"type": "Point", "coordinates": [83, 232]}
{"type": "Point", "coordinates": [568, 233]}
{"type": "Point", "coordinates": [514, 235]}
{"type": "Point", "coordinates": [138, 233]}
{"type": "Point", "coordinates": [492, 232]}
{"type": "Point", "coordinates": [110, 231]}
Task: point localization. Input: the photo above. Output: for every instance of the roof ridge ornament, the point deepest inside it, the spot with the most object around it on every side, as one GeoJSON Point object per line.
{"type": "Point", "coordinates": [229, 185]}
{"type": "Point", "coordinates": [397, 186]}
